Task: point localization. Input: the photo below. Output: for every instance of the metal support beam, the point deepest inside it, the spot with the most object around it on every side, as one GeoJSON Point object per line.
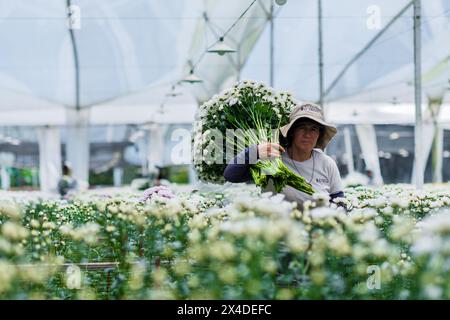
{"type": "Point", "coordinates": [75, 59]}
{"type": "Point", "coordinates": [419, 174]}
{"type": "Point", "coordinates": [5, 178]}
{"type": "Point", "coordinates": [239, 64]}
{"type": "Point", "coordinates": [320, 54]}
{"type": "Point", "coordinates": [271, 44]}
{"type": "Point", "coordinates": [349, 150]}
{"type": "Point", "coordinates": [437, 153]}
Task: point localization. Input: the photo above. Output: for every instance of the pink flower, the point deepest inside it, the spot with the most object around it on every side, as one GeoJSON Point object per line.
{"type": "Point", "coordinates": [161, 191]}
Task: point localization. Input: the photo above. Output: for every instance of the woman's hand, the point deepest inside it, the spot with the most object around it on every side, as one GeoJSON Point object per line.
{"type": "Point", "coordinates": [269, 150]}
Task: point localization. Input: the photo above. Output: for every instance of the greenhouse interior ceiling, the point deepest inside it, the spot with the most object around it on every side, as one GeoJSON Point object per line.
{"type": "Point", "coordinates": [80, 75]}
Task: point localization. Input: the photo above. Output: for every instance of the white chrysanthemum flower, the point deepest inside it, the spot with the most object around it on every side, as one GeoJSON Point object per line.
{"type": "Point", "coordinates": [34, 223]}
{"type": "Point", "coordinates": [297, 239]}
{"type": "Point", "coordinates": [432, 291]}
{"type": "Point", "coordinates": [339, 243]}
{"type": "Point", "coordinates": [433, 233]}
{"type": "Point", "coordinates": [438, 223]}
{"type": "Point", "coordinates": [388, 210]}
{"type": "Point", "coordinates": [10, 210]}
{"type": "Point", "coordinates": [369, 233]}
{"type": "Point", "coordinates": [233, 101]}
{"type": "Point", "coordinates": [222, 250]}
{"type": "Point", "coordinates": [401, 227]}
{"type": "Point", "coordinates": [7, 274]}
{"type": "Point", "coordinates": [73, 277]}
{"type": "Point", "coordinates": [400, 202]}
{"type": "Point", "coordinates": [14, 231]}
{"type": "Point", "coordinates": [87, 233]}
{"type": "Point", "coordinates": [323, 213]}
{"type": "Point", "coordinates": [66, 229]}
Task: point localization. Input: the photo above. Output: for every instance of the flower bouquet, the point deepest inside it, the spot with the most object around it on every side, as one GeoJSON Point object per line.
{"type": "Point", "coordinates": [248, 114]}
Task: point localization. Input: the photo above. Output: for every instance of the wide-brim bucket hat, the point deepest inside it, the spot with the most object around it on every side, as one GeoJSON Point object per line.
{"type": "Point", "coordinates": [315, 113]}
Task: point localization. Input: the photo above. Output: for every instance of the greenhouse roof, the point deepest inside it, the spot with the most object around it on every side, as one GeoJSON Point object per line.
{"type": "Point", "coordinates": [130, 55]}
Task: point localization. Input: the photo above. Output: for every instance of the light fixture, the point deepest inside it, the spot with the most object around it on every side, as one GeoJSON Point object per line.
{"type": "Point", "coordinates": [280, 2]}
{"type": "Point", "coordinates": [394, 136]}
{"type": "Point", "coordinates": [173, 93]}
{"type": "Point", "coordinates": [220, 48]}
{"type": "Point", "coordinates": [161, 109]}
{"type": "Point", "coordinates": [192, 78]}
{"type": "Point", "coordinates": [403, 152]}
{"type": "Point", "coordinates": [394, 100]}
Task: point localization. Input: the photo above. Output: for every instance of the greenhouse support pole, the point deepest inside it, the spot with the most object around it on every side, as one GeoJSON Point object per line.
{"type": "Point", "coordinates": [418, 96]}
{"type": "Point", "coordinates": [143, 152]}
{"type": "Point", "coordinates": [320, 55]}
{"type": "Point", "coordinates": [239, 64]}
{"type": "Point", "coordinates": [77, 143]}
{"type": "Point", "coordinates": [118, 176]}
{"type": "Point", "coordinates": [271, 44]}
{"type": "Point", "coordinates": [75, 58]}
{"type": "Point", "coordinates": [349, 150]}
{"type": "Point", "coordinates": [35, 178]}
{"type": "Point", "coordinates": [155, 156]}
{"type": "Point", "coordinates": [5, 178]}
{"type": "Point", "coordinates": [367, 137]}
{"type": "Point", "coordinates": [437, 153]}
{"type": "Point", "coordinates": [192, 174]}
{"type": "Point", "coordinates": [77, 118]}
{"type": "Point", "coordinates": [6, 161]}
{"type": "Point", "coordinates": [49, 142]}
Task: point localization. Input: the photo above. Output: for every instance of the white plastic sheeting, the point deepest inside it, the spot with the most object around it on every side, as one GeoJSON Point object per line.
{"type": "Point", "coordinates": [138, 49]}
{"type": "Point", "coordinates": [383, 72]}
{"type": "Point", "coordinates": [125, 73]}
{"type": "Point", "coordinates": [49, 158]}
{"type": "Point", "coordinates": [380, 113]}
{"type": "Point", "coordinates": [150, 105]}
{"type": "Point", "coordinates": [116, 55]}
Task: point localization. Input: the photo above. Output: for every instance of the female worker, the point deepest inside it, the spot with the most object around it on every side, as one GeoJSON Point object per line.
{"type": "Point", "coordinates": [307, 134]}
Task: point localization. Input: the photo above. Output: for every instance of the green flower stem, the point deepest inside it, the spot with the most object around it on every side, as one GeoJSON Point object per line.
{"type": "Point", "coordinates": [280, 174]}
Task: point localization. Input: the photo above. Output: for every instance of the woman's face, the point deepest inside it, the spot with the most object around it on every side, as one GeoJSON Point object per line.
{"type": "Point", "coordinates": [305, 136]}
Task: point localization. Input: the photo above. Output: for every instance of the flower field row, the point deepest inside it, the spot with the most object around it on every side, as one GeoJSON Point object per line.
{"type": "Point", "coordinates": [230, 242]}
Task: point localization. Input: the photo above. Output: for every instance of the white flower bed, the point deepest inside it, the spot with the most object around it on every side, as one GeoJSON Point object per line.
{"type": "Point", "coordinates": [232, 242]}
